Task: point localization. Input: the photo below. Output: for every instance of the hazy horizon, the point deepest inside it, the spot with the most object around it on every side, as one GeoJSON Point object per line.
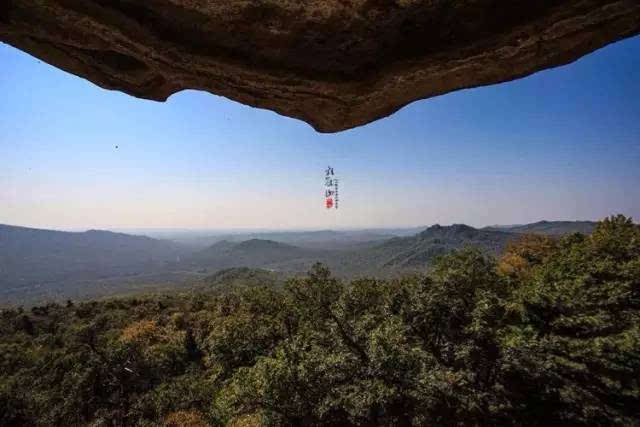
{"type": "Point", "coordinates": [247, 230]}
{"type": "Point", "coordinates": [563, 144]}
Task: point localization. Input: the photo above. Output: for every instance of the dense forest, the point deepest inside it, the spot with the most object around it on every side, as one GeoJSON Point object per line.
{"type": "Point", "coordinates": [546, 333]}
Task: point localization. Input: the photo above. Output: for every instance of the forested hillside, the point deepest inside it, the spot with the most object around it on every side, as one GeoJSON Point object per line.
{"type": "Point", "coordinates": [250, 253]}
{"type": "Point", "coordinates": [242, 277]}
{"type": "Point", "coordinates": [402, 255]}
{"type": "Point", "coordinates": [546, 334]}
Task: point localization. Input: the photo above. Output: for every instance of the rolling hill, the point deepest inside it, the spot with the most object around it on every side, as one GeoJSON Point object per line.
{"type": "Point", "coordinates": [31, 256]}
{"type": "Point", "coordinates": [254, 253]}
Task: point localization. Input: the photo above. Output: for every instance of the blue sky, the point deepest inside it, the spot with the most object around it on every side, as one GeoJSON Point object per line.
{"type": "Point", "coordinates": [561, 144]}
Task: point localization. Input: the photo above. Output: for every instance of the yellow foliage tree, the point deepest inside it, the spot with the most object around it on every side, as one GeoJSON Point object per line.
{"type": "Point", "coordinates": [142, 330]}
{"type": "Point", "coordinates": [189, 418]}
{"type": "Point", "coordinates": [521, 254]}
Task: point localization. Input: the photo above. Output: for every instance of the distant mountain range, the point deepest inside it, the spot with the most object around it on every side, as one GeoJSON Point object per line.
{"type": "Point", "coordinates": [322, 239]}
{"type": "Point", "coordinates": [47, 260]}
{"type": "Point", "coordinates": [374, 257]}
{"type": "Point", "coordinates": [31, 256]}
{"type": "Point", "coordinates": [415, 253]}
{"type": "Point", "coordinates": [552, 228]}
{"type": "Point", "coordinates": [398, 253]}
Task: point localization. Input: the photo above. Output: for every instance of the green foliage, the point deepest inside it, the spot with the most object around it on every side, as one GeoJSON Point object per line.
{"type": "Point", "coordinates": [549, 334]}
{"type": "Point", "coordinates": [580, 330]}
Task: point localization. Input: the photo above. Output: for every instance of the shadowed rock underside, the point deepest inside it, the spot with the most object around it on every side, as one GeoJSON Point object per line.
{"type": "Point", "coordinates": [335, 64]}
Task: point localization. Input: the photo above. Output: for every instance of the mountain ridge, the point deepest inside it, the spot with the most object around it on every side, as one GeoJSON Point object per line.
{"type": "Point", "coordinates": [554, 228]}
{"type": "Point", "coordinates": [58, 262]}
{"type": "Point", "coordinates": [29, 256]}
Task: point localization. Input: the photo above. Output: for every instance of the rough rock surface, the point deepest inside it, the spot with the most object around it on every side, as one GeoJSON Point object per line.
{"type": "Point", "coordinates": [335, 64]}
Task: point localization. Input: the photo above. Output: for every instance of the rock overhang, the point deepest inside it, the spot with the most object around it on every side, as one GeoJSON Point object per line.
{"type": "Point", "coordinates": [335, 64]}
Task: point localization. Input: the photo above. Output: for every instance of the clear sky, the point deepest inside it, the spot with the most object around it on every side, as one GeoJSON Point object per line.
{"type": "Point", "coordinates": [561, 144]}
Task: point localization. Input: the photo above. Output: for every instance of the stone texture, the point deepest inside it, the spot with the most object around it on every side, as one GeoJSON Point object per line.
{"type": "Point", "coordinates": [335, 64]}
